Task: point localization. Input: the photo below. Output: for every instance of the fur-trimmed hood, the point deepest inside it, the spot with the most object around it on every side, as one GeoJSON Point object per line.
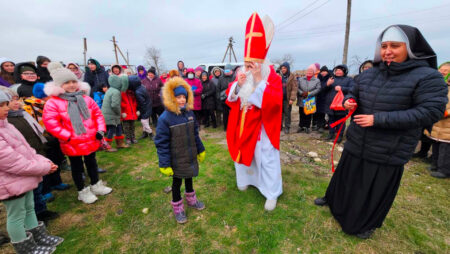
{"type": "Point", "coordinates": [168, 94]}
{"type": "Point", "coordinates": [51, 89]}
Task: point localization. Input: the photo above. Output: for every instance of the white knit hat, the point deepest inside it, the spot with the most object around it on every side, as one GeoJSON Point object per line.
{"type": "Point", "coordinates": [60, 74]}
{"type": "Point", "coordinates": [4, 96]}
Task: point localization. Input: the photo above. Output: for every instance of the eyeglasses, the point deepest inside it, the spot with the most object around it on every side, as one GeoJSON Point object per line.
{"type": "Point", "coordinates": [29, 74]}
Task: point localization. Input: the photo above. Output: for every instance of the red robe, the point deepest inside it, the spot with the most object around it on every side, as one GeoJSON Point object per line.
{"type": "Point", "coordinates": [244, 130]}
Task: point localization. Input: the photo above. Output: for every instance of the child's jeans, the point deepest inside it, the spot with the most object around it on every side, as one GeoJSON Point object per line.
{"type": "Point", "coordinates": [176, 187]}
{"type": "Point", "coordinates": [20, 216]}
{"type": "Point", "coordinates": [146, 125]}
{"type": "Point", "coordinates": [76, 162]}
{"type": "Point", "coordinates": [112, 130]}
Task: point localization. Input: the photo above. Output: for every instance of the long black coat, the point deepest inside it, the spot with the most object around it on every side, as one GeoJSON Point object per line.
{"type": "Point", "coordinates": [321, 102]}
{"type": "Point", "coordinates": [208, 96]}
{"type": "Point", "coordinates": [346, 84]}
{"type": "Point", "coordinates": [96, 79]}
{"type": "Point", "coordinates": [404, 98]}
{"type": "Point", "coordinates": [224, 81]}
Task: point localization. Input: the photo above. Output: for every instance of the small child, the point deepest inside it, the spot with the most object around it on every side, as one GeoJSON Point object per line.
{"type": "Point", "coordinates": [111, 110]}
{"type": "Point", "coordinates": [21, 170]}
{"type": "Point", "coordinates": [178, 144]}
{"type": "Point", "coordinates": [144, 105]}
{"type": "Point", "coordinates": [99, 96]}
{"type": "Point", "coordinates": [75, 119]}
{"type": "Point", "coordinates": [129, 114]}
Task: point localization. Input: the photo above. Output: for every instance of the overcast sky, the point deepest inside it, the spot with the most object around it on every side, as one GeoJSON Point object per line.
{"type": "Point", "coordinates": [198, 31]}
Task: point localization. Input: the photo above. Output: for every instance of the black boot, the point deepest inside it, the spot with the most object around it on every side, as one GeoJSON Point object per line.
{"type": "Point", "coordinates": [152, 138]}
{"type": "Point", "coordinates": [366, 235]}
{"type": "Point", "coordinates": [47, 215]}
{"type": "Point", "coordinates": [321, 201]}
{"type": "Point", "coordinates": [144, 135]}
{"type": "Point", "coordinates": [330, 136]}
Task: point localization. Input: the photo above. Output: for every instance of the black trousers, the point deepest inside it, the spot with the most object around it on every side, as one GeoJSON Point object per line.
{"type": "Point", "coordinates": [176, 187]}
{"type": "Point", "coordinates": [305, 120]}
{"type": "Point", "coordinates": [226, 112]}
{"type": "Point", "coordinates": [156, 112]}
{"type": "Point", "coordinates": [113, 130]}
{"type": "Point", "coordinates": [319, 120]}
{"type": "Point", "coordinates": [334, 118]}
{"type": "Point", "coordinates": [286, 115]}
{"type": "Point", "coordinates": [198, 116]}
{"type": "Point", "coordinates": [76, 162]}
{"type": "Point", "coordinates": [209, 114]}
{"type": "Point", "coordinates": [54, 154]}
{"type": "Point", "coordinates": [441, 157]}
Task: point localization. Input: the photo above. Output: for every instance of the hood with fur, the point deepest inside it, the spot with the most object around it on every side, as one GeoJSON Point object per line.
{"type": "Point", "coordinates": [168, 94]}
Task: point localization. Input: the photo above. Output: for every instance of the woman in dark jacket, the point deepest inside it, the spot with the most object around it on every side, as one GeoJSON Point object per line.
{"type": "Point", "coordinates": [144, 105]}
{"type": "Point", "coordinates": [208, 100]}
{"type": "Point", "coordinates": [42, 71]}
{"type": "Point", "coordinates": [340, 81]}
{"type": "Point", "coordinates": [395, 99]}
{"type": "Point", "coordinates": [319, 121]}
{"type": "Point", "coordinates": [96, 76]}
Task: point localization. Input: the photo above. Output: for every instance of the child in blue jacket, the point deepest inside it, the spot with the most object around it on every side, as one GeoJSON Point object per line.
{"type": "Point", "coordinates": [178, 144]}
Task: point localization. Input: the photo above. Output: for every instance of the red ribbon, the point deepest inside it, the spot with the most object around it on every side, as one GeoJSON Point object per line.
{"type": "Point", "coordinates": [342, 120]}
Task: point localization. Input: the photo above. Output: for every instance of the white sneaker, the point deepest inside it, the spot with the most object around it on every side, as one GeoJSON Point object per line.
{"type": "Point", "coordinates": [270, 204]}
{"type": "Point", "coordinates": [86, 196]}
{"type": "Point", "coordinates": [100, 189]}
{"type": "Point", "coordinates": [243, 188]}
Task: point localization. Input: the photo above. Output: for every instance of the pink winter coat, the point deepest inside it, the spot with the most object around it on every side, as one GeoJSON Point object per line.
{"type": "Point", "coordinates": [197, 89]}
{"type": "Point", "coordinates": [57, 122]}
{"type": "Point", "coordinates": [21, 169]}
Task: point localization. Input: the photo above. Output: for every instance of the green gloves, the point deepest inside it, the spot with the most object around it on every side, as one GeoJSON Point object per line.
{"type": "Point", "coordinates": [166, 171]}
{"type": "Point", "coordinates": [201, 156]}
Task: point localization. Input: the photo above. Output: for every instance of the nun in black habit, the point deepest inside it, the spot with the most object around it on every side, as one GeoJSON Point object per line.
{"type": "Point", "coordinates": [402, 94]}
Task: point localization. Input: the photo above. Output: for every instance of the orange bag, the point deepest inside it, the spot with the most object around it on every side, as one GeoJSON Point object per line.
{"type": "Point", "coordinates": [337, 102]}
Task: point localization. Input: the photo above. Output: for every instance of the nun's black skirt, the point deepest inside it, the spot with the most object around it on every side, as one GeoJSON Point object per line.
{"type": "Point", "coordinates": [361, 193]}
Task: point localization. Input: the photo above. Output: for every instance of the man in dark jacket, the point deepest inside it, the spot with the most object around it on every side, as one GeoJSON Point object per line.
{"type": "Point", "coordinates": [96, 76]}
{"type": "Point", "coordinates": [42, 71]}
{"type": "Point", "coordinates": [290, 86]}
{"type": "Point", "coordinates": [224, 81]}
{"type": "Point", "coordinates": [153, 84]}
{"type": "Point", "coordinates": [217, 73]}
{"type": "Point", "coordinates": [319, 121]}
{"type": "Point", "coordinates": [208, 100]}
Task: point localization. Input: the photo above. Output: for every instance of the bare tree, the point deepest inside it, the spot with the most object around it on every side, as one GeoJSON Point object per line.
{"type": "Point", "coordinates": [356, 61]}
{"type": "Point", "coordinates": [286, 58]}
{"type": "Point", "coordinates": [153, 58]}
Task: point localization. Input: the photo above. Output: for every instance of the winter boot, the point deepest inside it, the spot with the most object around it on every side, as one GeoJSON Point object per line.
{"type": "Point", "coordinates": [192, 201]}
{"type": "Point", "coordinates": [178, 210]}
{"type": "Point", "coordinates": [120, 142]}
{"type": "Point", "coordinates": [128, 142]}
{"type": "Point", "coordinates": [144, 135]}
{"type": "Point", "coordinates": [110, 149]}
{"type": "Point", "coordinates": [86, 196]}
{"type": "Point", "coordinates": [270, 204]}
{"type": "Point", "coordinates": [100, 189]}
{"type": "Point", "coordinates": [152, 138]}
{"type": "Point", "coordinates": [134, 141]}
{"type": "Point", "coordinates": [42, 237]}
{"type": "Point", "coordinates": [29, 246]}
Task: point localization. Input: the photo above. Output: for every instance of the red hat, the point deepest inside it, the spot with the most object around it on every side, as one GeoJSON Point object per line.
{"type": "Point", "coordinates": [258, 36]}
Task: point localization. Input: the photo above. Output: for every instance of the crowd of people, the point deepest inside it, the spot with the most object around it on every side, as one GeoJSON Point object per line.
{"type": "Point", "coordinates": [53, 113]}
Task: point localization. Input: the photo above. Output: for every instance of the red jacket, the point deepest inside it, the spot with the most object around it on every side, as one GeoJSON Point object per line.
{"type": "Point", "coordinates": [57, 122]}
{"type": "Point", "coordinates": [128, 105]}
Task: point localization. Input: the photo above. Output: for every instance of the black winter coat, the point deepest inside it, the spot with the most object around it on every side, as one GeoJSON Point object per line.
{"type": "Point", "coordinates": [144, 102]}
{"type": "Point", "coordinates": [404, 98]}
{"type": "Point", "coordinates": [321, 102]}
{"type": "Point", "coordinates": [346, 84]}
{"type": "Point", "coordinates": [208, 96]}
{"type": "Point", "coordinates": [224, 81]}
{"type": "Point", "coordinates": [96, 79]}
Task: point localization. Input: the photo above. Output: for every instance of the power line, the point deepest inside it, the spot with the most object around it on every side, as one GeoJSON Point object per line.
{"type": "Point", "coordinates": [295, 14]}
{"type": "Point", "coordinates": [295, 20]}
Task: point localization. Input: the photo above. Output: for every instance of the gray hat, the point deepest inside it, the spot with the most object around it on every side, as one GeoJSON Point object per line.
{"type": "Point", "coordinates": [60, 74]}
{"type": "Point", "coordinates": [4, 96]}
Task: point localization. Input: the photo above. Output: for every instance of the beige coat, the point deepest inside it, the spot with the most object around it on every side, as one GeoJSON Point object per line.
{"type": "Point", "coordinates": [441, 129]}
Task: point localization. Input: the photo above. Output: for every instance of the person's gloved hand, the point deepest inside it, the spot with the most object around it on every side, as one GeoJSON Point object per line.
{"type": "Point", "coordinates": [201, 156]}
{"type": "Point", "coordinates": [166, 171]}
{"type": "Point", "coordinates": [99, 135]}
{"type": "Point", "coordinates": [138, 113]}
{"type": "Point", "coordinates": [124, 115]}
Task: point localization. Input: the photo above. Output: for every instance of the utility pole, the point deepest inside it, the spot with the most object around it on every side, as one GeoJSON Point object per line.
{"type": "Point", "coordinates": [115, 49]}
{"type": "Point", "coordinates": [128, 57]}
{"type": "Point", "coordinates": [347, 31]}
{"type": "Point", "coordinates": [230, 50]}
{"type": "Point", "coordinates": [85, 50]}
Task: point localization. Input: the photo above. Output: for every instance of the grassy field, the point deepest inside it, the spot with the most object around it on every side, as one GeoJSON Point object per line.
{"type": "Point", "coordinates": [234, 221]}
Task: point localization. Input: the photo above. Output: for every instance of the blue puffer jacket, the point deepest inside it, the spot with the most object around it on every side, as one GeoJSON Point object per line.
{"type": "Point", "coordinates": [144, 103]}
{"type": "Point", "coordinates": [404, 98]}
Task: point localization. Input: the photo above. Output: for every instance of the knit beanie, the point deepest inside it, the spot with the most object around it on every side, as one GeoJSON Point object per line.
{"type": "Point", "coordinates": [199, 68]}
{"type": "Point", "coordinates": [152, 70]}
{"type": "Point", "coordinates": [25, 68]}
{"type": "Point", "coordinates": [312, 67]}
{"type": "Point", "coordinates": [180, 90]}
{"type": "Point", "coordinates": [324, 68]}
{"type": "Point", "coordinates": [60, 74]}
{"type": "Point", "coordinates": [6, 97]}
{"type": "Point", "coordinates": [317, 66]}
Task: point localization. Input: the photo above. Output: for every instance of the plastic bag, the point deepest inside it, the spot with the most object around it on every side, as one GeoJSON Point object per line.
{"type": "Point", "coordinates": [309, 105]}
{"type": "Point", "coordinates": [337, 102]}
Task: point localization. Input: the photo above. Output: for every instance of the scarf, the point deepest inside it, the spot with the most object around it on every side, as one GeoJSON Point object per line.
{"type": "Point", "coordinates": [76, 108]}
{"type": "Point", "coordinates": [37, 128]}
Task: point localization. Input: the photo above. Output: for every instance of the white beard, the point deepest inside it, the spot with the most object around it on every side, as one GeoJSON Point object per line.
{"type": "Point", "coordinates": [249, 86]}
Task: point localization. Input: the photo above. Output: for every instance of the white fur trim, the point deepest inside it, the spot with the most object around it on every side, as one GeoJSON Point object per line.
{"type": "Point", "coordinates": [85, 87]}
{"type": "Point", "coordinates": [51, 89]}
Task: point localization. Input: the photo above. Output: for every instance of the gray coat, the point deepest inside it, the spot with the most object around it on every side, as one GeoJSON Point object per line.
{"type": "Point", "coordinates": [312, 87]}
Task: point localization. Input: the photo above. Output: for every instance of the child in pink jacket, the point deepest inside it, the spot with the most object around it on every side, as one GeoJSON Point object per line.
{"type": "Point", "coordinates": [21, 170]}
{"type": "Point", "coordinates": [77, 122]}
